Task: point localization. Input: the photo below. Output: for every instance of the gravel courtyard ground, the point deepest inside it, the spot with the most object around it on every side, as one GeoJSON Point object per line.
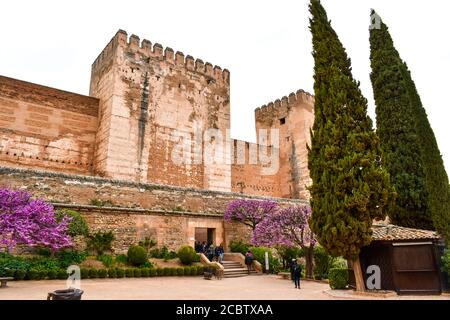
{"type": "Point", "coordinates": [258, 287]}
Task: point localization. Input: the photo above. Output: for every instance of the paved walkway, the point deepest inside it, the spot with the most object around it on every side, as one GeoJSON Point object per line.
{"type": "Point", "coordinates": [258, 287]}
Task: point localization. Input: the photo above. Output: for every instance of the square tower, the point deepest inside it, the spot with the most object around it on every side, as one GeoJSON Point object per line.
{"type": "Point", "coordinates": [152, 101]}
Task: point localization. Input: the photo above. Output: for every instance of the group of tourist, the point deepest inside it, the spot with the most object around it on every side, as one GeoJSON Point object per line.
{"type": "Point", "coordinates": [208, 249]}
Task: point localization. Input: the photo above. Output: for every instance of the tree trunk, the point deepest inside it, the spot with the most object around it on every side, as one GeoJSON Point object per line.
{"type": "Point", "coordinates": [309, 262]}
{"type": "Point", "coordinates": [359, 280]}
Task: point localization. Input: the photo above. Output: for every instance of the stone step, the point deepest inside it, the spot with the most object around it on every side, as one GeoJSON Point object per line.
{"type": "Point", "coordinates": [236, 265]}
{"type": "Point", "coordinates": [237, 274]}
{"type": "Point", "coordinates": [235, 270]}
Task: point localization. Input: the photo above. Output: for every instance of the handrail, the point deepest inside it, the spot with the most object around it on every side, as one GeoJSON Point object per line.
{"type": "Point", "coordinates": [204, 259]}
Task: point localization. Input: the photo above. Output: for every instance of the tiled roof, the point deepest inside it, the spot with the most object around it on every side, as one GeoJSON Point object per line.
{"type": "Point", "coordinates": [386, 232]}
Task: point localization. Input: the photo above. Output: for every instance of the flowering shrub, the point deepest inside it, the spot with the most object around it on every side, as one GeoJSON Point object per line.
{"type": "Point", "coordinates": [30, 222]}
{"type": "Point", "coordinates": [289, 227]}
{"type": "Point", "coordinates": [249, 212]}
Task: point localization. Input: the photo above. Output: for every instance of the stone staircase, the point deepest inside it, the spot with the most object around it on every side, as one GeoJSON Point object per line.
{"type": "Point", "coordinates": [234, 269]}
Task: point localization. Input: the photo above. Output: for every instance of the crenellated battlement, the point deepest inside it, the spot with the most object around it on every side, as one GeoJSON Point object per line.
{"type": "Point", "coordinates": [285, 103]}
{"type": "Point", "coordinates": [157, 51]}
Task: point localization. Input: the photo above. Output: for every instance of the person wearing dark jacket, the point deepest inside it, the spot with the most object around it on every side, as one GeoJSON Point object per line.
{"type": "Point", "coordinates": [296, 271]}
{"type": "Point", "coordinates": [219, 253]}
{"type": "Point", "coordinates": [249, 260]}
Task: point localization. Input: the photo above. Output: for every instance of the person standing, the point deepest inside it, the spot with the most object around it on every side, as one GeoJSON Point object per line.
{"type": "Point", "coordinates": [249, 260]}
{"type": "Point", "coordinates": [291, 267]}
{"type": "Point", "coordinates": [211, 252]}
{"type": "Point", "coordinates": [219, 253]}
{"type": "Point", "coordinates": [297, 272]}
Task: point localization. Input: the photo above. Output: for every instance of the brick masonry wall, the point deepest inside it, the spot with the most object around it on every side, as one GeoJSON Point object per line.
{"type": "Point", "coordinates": [247, 176]}
{"type": "Point", "coordinates": [147, 93]}
{"type": "Point", "coordinates": [170, 214]}
{"type": "Point", "coordinates": [42, 127]}
{"type": "Point", "coordinates": [293, 116]}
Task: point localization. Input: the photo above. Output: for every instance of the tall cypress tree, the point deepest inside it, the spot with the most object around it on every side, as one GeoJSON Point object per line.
{"type": "Point", "coordinates": [350, 188]}
{"type": "Point", "coordinates": [407, 140]}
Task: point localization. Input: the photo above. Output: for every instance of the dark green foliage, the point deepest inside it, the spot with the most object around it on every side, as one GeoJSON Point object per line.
{"type": "Point", "coordinates": [70, 257]}
{"type": "Point", "coordinates": [100, 242]}
{"type": "Point", "coordinates": [62, 274]}
{"type": "Point", "coordinates": [120, 273]}
{"type": "Point", "coordinates": [32, 274]}
{"type": "Point", "coordinates": [322, 263]}
{"type": "Point", "coordinates": [410, 150]}
{"type": "Point", "coordinates": [20, 274]}
{"type": "Point", "coordinates": [84, 273]}
{"type": "Point", "coordinates": [107, 260]}
{"type": "Point", "coordinates": [42, 266]}
{"type": "Point", "coordinates": [200, 270]}
{"type": "Point", "coordinates": [42, 274]}
{"type": "Point", "coordinates": [170, 271]}
{"type": "Point", "coordinates": [77, 224]}
{"type": "Point", "coordinates": [145, 272]}
{"type": "Point", "coordinates": [152, 272]}
{"type": "Point", "coordinates": [287, 254]}
{"type": "Point", "coordinates": [446, 260]}
{"type": "Point", "coordinates": [137, 273]}
{"type": "Point", "coordinates": [259, 253]}
{"type": "Point", "coordinates": [147, 243]}
{"type": "Point", "coordinates": [137, 255]}
{"type": "Point", "coordinates": [166, 271]}
{"type": "Point", "coordinates": [8, 262]}
{"type": "Point", "coordinates": [187, 255]}
{"type": "Point", "coordinates": [239, 246]}
{"type": "Point", "coordinates": [112, 273]}
{"type": "Point", "coordinates": [102, 273]}
{"type": "Point", "coordinates": [45, 252]}
{"type": "Point", "coordinates": [338, 278]}
{"type": "Point", "coordinates": [349, 188]}
{"type": "Point", "coordinates": [187, 271]}
{"type": "Point", "coordinates": [52, 274]}
{"type": "Point", "coordinates": [159, 272]}
{"type": "Point", "coordinates": [193, 270]}
{"type": "Point", "coordinates": [93, 273]}
{"type": "Point", "coordinates": [129, 272]}
{"type": "Point", "coordinates": [180, 271]}
{"type": "Point", "coordinates": [121, 259]}
{"type": "Point", "coordinates": [162, 253]}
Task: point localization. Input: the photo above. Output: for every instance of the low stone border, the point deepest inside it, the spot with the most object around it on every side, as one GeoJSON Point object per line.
{"type": "Point", "coordinates": [287, 276]}
{"type": "Point", "coordinates": [352, 294]}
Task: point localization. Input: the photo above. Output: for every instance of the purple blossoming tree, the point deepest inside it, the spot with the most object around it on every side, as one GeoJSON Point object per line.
{"type": "Point", "coordinates": [30, 222]}
{"type": "Point", "coordinates": [249, 212]}
{"type": "Point", "coordinates": [288, 226]}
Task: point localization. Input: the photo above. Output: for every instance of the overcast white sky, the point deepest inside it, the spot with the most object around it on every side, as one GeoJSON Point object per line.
{"type": "Point", "coordinates": [265, 44]}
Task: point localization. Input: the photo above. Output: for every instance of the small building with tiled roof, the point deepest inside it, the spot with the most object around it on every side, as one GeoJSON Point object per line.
{"type": "Point", "coordinates": [406, 260]}
{"type": "Point", "coordinates": [390, 232]}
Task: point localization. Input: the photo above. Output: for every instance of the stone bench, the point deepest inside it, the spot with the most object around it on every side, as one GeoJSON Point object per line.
{"type": "Point", "coordinates": [285, 275]}
{"type": "Point", "coordinates": [4, 281]}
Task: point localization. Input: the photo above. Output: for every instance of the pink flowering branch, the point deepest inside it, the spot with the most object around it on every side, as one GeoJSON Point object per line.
{"type": "Point", "coordinates": [30, 222]}
{"type": "Point", "coordinates": [249, 212]}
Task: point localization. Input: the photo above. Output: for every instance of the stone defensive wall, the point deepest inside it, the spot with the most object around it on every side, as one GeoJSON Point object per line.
{"type": "Point", "coordinates": [133, 210]}
{"type": "Point", "coordinates": [42, 127]}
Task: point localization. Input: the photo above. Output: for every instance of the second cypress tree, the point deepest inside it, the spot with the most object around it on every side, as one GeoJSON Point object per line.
{"type": "Point", "coordinates": [407, 140]}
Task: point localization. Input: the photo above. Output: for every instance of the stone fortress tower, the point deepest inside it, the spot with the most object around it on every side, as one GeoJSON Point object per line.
{"type": "Point", "coordinates": [144, 102]}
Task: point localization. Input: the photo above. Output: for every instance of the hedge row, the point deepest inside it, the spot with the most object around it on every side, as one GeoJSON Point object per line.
{"type": "Point", "coordinates": [33, 274]}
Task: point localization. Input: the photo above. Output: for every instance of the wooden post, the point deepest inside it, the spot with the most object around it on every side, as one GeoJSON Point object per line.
{"type": "Point", "coordinates": [359, 279]}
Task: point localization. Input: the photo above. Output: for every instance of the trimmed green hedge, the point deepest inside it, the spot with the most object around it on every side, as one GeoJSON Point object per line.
{"type": "Point", "coordinates": [92, 273]}
{"type": "Point", "coordinates": [338, 278]}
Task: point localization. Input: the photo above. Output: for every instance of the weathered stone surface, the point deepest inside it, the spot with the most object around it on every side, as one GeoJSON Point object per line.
{"type": "Point", "coordinates": [136, 210]}
{"type": "Point", "coordinates": [42, 127]}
